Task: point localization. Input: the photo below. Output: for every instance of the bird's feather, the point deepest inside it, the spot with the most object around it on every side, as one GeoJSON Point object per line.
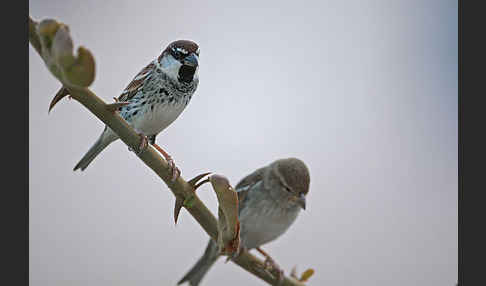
{"type": "Point", "coordinates": [137, 82]}
{"type": "Point", "coordinates": [245, 185]}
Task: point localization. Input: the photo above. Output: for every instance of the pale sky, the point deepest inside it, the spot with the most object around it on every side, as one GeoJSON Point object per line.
{"type": "Point", "coordinates": [364, 92]}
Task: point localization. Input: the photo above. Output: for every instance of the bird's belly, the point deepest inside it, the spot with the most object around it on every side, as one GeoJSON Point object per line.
{"type": "Point", "coordinates": [264, 225]}
{"type": "Point", "coordinates": [157, 118]}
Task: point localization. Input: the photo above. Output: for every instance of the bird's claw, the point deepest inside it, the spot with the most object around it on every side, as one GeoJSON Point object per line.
{"type": "Point", "coordinates": [143, 144]}
{"type": "Point", "coordinates": [176, 173]}
{"type": "Point", "coordinates": [142, 147]}
{"type": "Point", "coordinates": [270, 265]}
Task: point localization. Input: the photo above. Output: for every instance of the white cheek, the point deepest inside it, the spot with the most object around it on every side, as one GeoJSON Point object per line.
{"type": "Point", "coordinates": [196, 73]}
{"type": "Point", "coordinates": [170, 66]}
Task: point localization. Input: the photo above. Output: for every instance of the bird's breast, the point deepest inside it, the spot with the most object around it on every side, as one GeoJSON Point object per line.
{"type": "Point", "coordinates": [157, 117]}
{"type": "Point", "coordinates": [262, 221]}
{"type": "Point", "coordinates": [155, 107]}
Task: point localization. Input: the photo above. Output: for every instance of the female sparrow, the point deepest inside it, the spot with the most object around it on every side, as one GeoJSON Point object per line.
{"type": "Point", "coordinates": [269, 201]}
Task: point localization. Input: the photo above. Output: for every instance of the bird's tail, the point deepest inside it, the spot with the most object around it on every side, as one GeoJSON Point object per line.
{"type": "Point", "coordinates": [197, 272]}
{"type": "Point", "coordinates": [104, 140]}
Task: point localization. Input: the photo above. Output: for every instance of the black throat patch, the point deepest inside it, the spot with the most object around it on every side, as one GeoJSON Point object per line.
{"type": "Point", "coordinates": [186, 73]}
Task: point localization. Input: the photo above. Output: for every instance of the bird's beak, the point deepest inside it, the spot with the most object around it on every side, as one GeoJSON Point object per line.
{"type": "Point", "coordinates": [191, 60]}
{"type": "Point", "coordinates": [301, 201]}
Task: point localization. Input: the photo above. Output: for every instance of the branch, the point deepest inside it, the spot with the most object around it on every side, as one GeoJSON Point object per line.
{"type": "Point", "coordinates": [52, 41]}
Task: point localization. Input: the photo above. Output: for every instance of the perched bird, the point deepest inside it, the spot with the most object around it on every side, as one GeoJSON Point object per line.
{"type": "Point", "coordinates": [269, 201]}
{"type": "Point", "coordinates": [155, 98]}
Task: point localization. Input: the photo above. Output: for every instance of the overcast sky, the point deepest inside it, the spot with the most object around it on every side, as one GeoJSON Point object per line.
{"type": "Point", "coordinates": [364, 92]}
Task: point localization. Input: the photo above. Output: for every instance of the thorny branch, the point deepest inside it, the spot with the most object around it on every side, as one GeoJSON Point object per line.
{"type": "Point", "coordinates": [52, 41]}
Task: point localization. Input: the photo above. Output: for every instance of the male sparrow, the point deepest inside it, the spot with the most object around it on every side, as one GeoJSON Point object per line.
{"type": "Point", "coordinates": [155, 98]}
{"type": "Point", "coordinates": [269, 201]}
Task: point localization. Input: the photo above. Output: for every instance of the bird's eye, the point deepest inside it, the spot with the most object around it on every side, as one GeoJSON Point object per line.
{"type": "Point", "coordinates": [176, 54]}
{"type": "Point", "coordinates": [287, 189]}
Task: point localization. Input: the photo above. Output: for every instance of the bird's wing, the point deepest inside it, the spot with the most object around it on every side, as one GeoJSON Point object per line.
{"type": "Point", "coordinates": [245, 185]}
{"type": "Point", "coordinates": [137, 82]}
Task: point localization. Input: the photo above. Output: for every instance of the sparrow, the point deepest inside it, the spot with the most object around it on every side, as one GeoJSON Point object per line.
{"type": "Point", "coordinates": [155, 98]}
{"type": "Point", "coordinates": [270, 199]}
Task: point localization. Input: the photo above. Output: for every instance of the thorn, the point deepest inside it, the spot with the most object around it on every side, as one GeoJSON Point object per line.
{"type": "Point", "coordinates": [201, 183]}
{"type": "Point", "coordinates": [114, 106]}
{"type": "Point", "coordinates": [179, 203]}
{"type": "Point", "coordinates": [177, 208]}
{"type": "Point", "coordinates": [194, 180]}
{"type": "Point", "coordinates": [59, 95]}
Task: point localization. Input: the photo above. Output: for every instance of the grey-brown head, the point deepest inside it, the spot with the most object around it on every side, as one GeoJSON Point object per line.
{"type": "Point", "coordinates": [180, 60]}
{"type": "Point", "coordinates": [290, 175]}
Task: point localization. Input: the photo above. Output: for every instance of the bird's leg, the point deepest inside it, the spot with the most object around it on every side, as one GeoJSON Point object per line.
{"type": "Point", "coordinates": [270, 264]}
{"type": "Point", "coordinates": [175, 171]}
